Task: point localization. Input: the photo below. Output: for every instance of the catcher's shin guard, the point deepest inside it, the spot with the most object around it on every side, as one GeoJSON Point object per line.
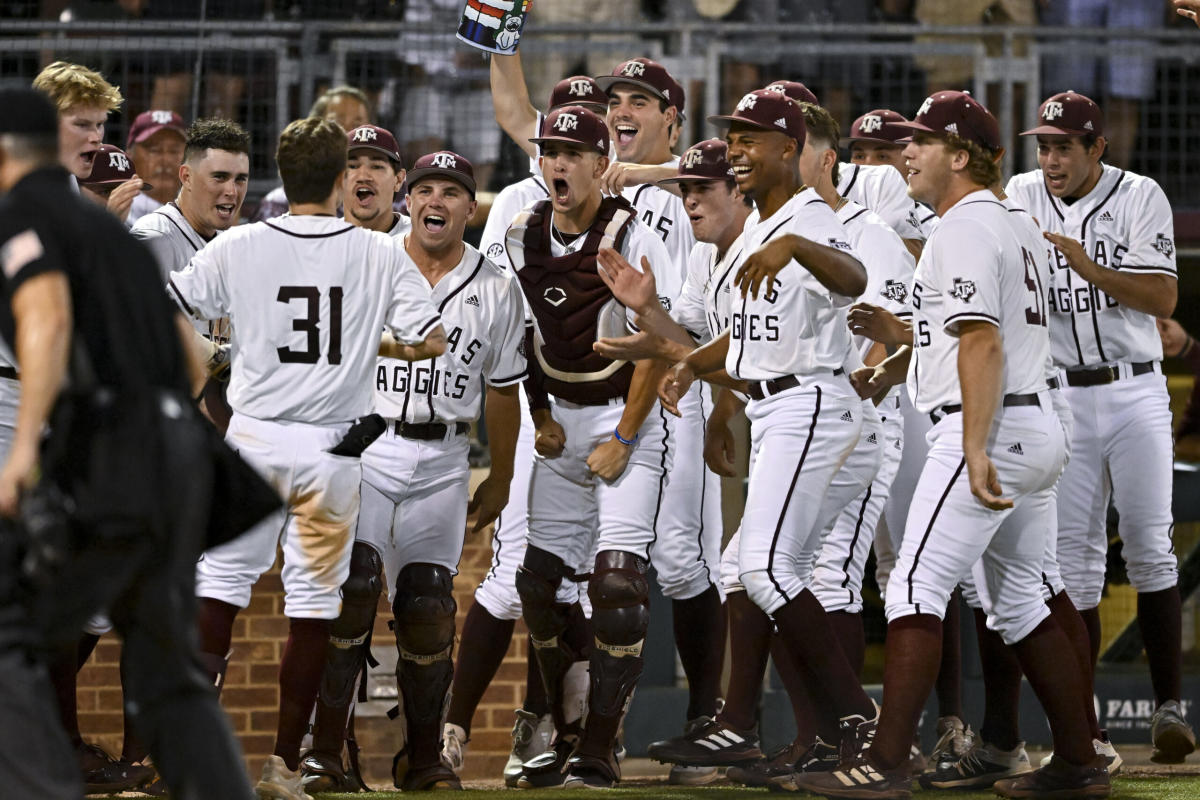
{"type": "Point", "coordinates": [538, 579]}
{"type": "Point", "coordinates": [620, 616]}
{"type": "Point", "coordinates": [349, 643]}
{"type": "Point", "coordinates": [424, 625]}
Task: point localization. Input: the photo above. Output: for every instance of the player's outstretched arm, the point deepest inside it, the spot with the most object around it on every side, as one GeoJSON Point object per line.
{"type": "Point", "coordinates": [678, 379]}
{"type": "Point", "coordinates": [510, 101]}
{"type": "Point", "coordinates": [980, 375]}
{"type": "Point", "coordinates": [503, 413]}
{"type": "Point", "coordinates": [638, 290]}
{"type": "Point", "coordinates": [609, 459]}
{"type": "Point", "coordinates": [837, 271]}
{"type": "Point", "coordinates": [879, 325]}
{"type": "Point", "coordinates": [433, 346]}
{"type": "Point", "coordinates": [42, 309]}
{"type": "Point", "coordinates": [1151, 293]}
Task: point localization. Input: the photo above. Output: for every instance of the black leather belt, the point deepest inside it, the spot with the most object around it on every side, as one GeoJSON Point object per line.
{"type": "Point", "coordinates": [1052, 383]}
{"type": "Point", "coordinates": [760, 390]}
{"type": "Point", "coordinates": [1102, 376]}
{"type": "Point", "coordinates": [429, 431]}
{"type": "Point", "coordinates": [1010, 400]}
{"type": "Point", "coordinates": [10, 373]}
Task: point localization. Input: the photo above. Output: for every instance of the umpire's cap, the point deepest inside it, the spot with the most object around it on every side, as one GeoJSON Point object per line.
{"type": "Point", "coordinates": [27, 111]}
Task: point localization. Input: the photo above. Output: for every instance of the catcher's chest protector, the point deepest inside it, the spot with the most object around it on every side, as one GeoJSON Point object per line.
{"type": "Point", "coordinates": [571, 306]}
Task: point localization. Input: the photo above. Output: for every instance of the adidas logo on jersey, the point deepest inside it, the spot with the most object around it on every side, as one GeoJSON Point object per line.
{"type": "Point", "coordinates": [872, 440]}
{"type": "Point", "coordinates": [847, 417]}
{"type": "Point", "coordinates": [1105, 217]}
{"type": "Point", "coordinates": [473, 300]}
{"type": "Point", "coordinates": [1016, 450]}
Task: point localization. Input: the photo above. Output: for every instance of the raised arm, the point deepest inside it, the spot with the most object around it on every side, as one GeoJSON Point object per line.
{"type": "Point", "coordinates": [514, 111]}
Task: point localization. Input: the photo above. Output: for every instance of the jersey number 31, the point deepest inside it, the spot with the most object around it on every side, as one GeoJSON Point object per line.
{"type": "Point", "coordinates": [310, 324]}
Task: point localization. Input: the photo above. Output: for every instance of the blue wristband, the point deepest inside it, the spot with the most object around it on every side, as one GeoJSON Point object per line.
{"type": "Point", "coordinates": [617, 435]}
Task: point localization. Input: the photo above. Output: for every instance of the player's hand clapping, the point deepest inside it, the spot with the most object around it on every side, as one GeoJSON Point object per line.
{"type": "Point", "coordinates": [985, 482]}
{"type": "Point", "coordinates": [674, 385]}
{"type": "Point", "coordinates": [879, 325]}
{"type": "Point", "coordinates": [549, 438]}
{"type": "Point", "coordinates": [636, 289]}
{"type": "Point", "coordinates": [609, 459]}
{"type": "Point", "coordinates": [763, 265]}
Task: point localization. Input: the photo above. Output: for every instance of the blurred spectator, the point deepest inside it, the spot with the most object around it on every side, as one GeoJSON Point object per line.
{"type": "Point", "coordinates": [1123, 79]}
{"type": "Point", "coordinates": [958, 72]}
{"type": "Point", "coordinates": [447, 104]}
{"type": "Point", "coordinates": [1178, 343]}
{"type": "Point", "coordinates": [345, 105]}
{"type": "Point", "coordinates": [113, 183]}
{"type": "Point", "coordinates": [155, 144]}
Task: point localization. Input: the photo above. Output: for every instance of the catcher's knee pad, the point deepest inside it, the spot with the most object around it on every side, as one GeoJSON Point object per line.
{"type": "Point", "coordinates": [538, 579]}
{"type": "Point", "coordinates": [351, 631]}
{"type": "Point", "coordinates": [424, 609]}
{"type": "Point", "coordinates": [620, 599]}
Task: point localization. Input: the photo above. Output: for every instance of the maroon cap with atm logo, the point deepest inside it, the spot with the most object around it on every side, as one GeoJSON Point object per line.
{"type": "Point", "coordinates": [705, 161]}
{"type": "Point", "coordinates": [1069, 114]}
{"type": "Point", "coordinates": [575, 125]}
{"type": "Point", "coordinates": [769, 110]}
{"type": "Point", "coordinates": [959, 114]}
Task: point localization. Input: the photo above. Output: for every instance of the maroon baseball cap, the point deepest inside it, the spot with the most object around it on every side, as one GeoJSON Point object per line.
{"type": "Point", "coordinates": [578, 90]}
{"type": "Point", "coordinates": [111, 166]}
{"type": "Point", "coordinates": [1069, 114]}
{"type": "Point", "coordinates": [795, 90]}
{"type": "Point", "coordinates": [956, 113]}
{"type": "Point", "coordinates": [769, 110]}
{"type": "Point", "coordinates": [649, 75]}
{"type": "Point", "coordinates": [878, 126]}
{"type": "Point", "coordinates": [373, 137]}
{"type": "Point", "coordinates": [148, 123]}
{"type": "Point", "coordinates": [706, 161]}
{"type": "Point", "coordinates": [576, 125]}
{"type": "Point", "coordinates": [443, 164]}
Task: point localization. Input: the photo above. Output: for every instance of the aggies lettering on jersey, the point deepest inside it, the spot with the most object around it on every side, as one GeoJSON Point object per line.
{"type": "Point", "coordinates": [978, 265]}
{"type": "Point", "coordinates": [1125, 222]}
{"type": "Point", "coordinates": [483, 314]}
{"type": "Point", "coordinates": [796, 328]}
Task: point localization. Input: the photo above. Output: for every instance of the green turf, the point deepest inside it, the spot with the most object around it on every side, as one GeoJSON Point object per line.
{"type": "Point", "coordinates": [1147, 788]}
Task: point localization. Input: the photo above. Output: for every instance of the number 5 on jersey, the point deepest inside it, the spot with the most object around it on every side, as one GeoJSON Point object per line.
{"type": "Point", "coordinates": [310, 324]}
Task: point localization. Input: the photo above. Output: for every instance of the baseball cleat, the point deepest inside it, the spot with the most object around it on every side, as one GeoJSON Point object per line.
{"type": "Point", "coordinates": [1059, 780]}
{"type": "Point", "coordinates": [454, 747]}
{"type": "Point", "coordinates": [325, 773]}
{"type": "Point", "coordinates": [708, 742]}
{"type": "Point", "coordinates": [819, 757]}
{"type": "Point", "coordinates": [859, 779]}
{"type": "Point", "coordinates": [280, 783]}
{"type": "Point", "coordinates": [546, 769]}
{"type": "Point", "coordinates": [1172, 736]}
{"type": "Point", "coordinates": [681, 775]}
{"type": "Point", "coordinates": [954, 741]}
{"type": "Point", "coordinates": [531, 736]}
{"type": "Point", "coordinates": [1103, 747]}
{"type": "Point", "coordinates": [431, 778]}
{"type": "Point", "coordinates": [982, 766]}
{"type": "Point", "coordinates": [589, 772]}
{"type": "Point", "coordinates": [103, 774]}
{"type": "Point", "coordinates": [779, 762]}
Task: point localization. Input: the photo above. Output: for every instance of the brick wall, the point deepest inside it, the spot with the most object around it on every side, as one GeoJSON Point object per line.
{"type": "Point", "coordinates": [251, 694]}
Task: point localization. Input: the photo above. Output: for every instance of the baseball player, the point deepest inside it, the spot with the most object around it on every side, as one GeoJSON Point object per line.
{"type": "Point", "coordinates": [420, 463]}
{"type": "Point", "coordinates": [156, 144]}
{"type": "Point", "coordinates": [307, 317]}
{"type": "Point", "coordinates": [874, 141]}
{"type": "Point", "coordinates": [869, 185]}
{"type": "Point", "coordinates": [488, 628]}
{"type": "Point", "coordinates": [1113, 273]}
{"type": "Point", "coordinates": [601, 450]}
{"type": "Point", "coordinates": [805, 418]}
{"type": "Point", "coordinates": [978, 367]}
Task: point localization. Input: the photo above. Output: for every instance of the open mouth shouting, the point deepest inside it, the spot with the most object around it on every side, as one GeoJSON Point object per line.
{"type": "Point", "coordinates": [562, 191]}
{"type": "Point", "coordinates": [626, 134]}
{"type": "Point", "coordinates": [364, 195]}
{"type": "Point", "coordinates": [434, 223]}
{"type": "Point", "coordinates": [1056, 181]}
{"type": "Point", "coordinates": [225, 211]}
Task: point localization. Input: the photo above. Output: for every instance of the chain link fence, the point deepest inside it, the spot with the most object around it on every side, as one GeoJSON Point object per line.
{"type": "Point", "coordinates": [434, 92]}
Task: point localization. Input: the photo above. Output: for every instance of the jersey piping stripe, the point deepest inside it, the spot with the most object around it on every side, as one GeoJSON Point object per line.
{"type": "Point", "coordinates": [925, 538]}
{"type": "Point", "coordinates": [1050, 197]}
{"type": "Point", "coordinates": [856, 216]}
{"type": "Point", "coordinates": [662, 479]}
{"type": "Point", "coordinates": [1152, 270]}
{"type": "Point", "coordinates": [508, 379]}
{"type": "Point", "coordinates": [787, 500]}
{"type": "Point", "coordinates": [433, 379]}
{"type": "Point", "coordinates": [715, 329]}
{"type": "Point", "coordinates": [1071, 317]}
{"type": "Point", "coordinates": [862, 512]}
{"type": "Point", "coordinates": [969, 315]}
{"type": "Point", "coordinates": [703, 491]}
{"type": "Point", "coordinates": [853, 178]}
{"type": "Point", "coordinates": [428, 326]}
{"type": "Point", "coordinates": [463, 285]}
{"type": "Point", "coordinates": [541, 185]}
{"type": "Point", "coordinates": [310, 235]}
{"type": "Point", "coordinates": [1083, 241]}
{"type": "Point", "coordinates": [179, 227]}
{"type": "Point", "coordinates": [637, 195]}
{"type": "Point", "coordinates": [179, 298]}
{"type": "Point", "coordinates": [746, 295]}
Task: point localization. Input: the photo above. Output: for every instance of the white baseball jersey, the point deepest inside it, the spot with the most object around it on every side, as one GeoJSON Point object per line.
{"type": "Point", "coordinates": [484, 317]}
{"type": "Point", "coordinates": [1125, 223]}
{"type": "Point", "coordinates": [978, 266]}
{"type": "Point", "coordinates": [308, 297]}
{"type": "Point", "coordinates": [663, 212]}
{"type": "Point", "coordinates": [142, 205]}
{"type": "Point", "coordinates": [797, 328]}
{"type": "Point", "coordinates": [888, 263]}
{"type": "Point", "coordinates": [170, 237]}
{"type": "Point", "coordinates": [508, 203]}
{"type": "Point", "coordinates": [703, 304]}
{"type": "Point", "coordinates": [400, 226]}
{"type": "Point", "coordinates": [881, 188]}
